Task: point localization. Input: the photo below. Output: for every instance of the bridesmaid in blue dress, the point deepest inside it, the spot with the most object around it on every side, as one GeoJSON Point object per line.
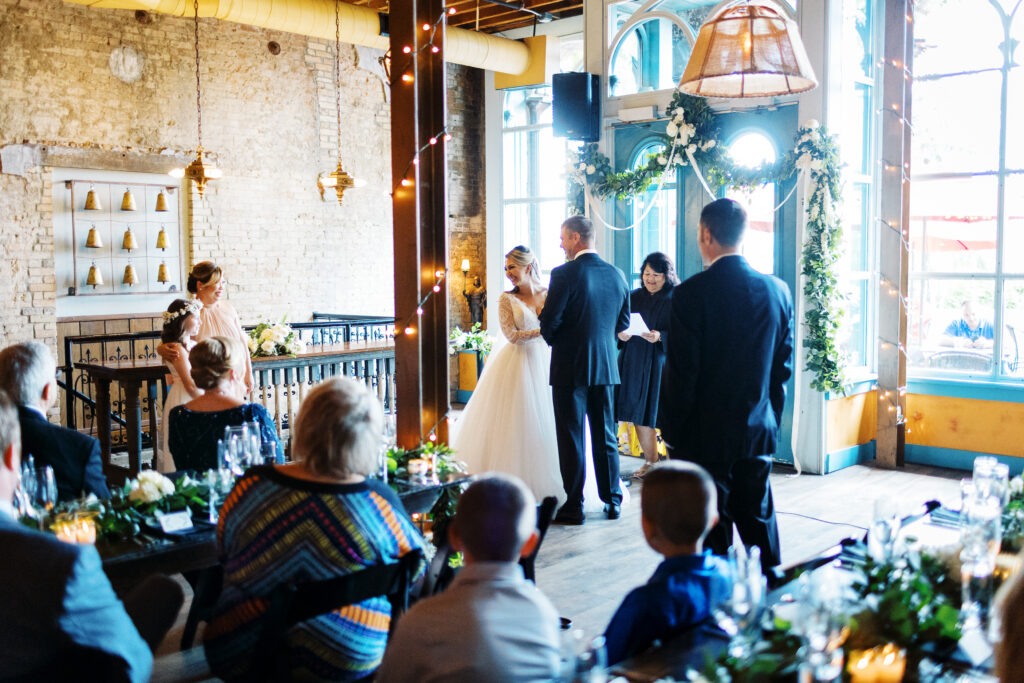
{"type": "Point", "coordinates": [642, 357]}
{"type": "Point", "coordinates": [218, 367]}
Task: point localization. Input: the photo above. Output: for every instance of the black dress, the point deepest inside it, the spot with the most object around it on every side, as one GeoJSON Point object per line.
{"type": "Point", "coordinates": [641, 362]}
{"type": "Point", "coordinates": [192, 436]}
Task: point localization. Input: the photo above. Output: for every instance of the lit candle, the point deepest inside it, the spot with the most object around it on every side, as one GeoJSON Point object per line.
{"type": "Point", "coordinates": [65, 532]}
{"type": "Point", "coordinates": [85, 531]}
{"type": "Point", "coordinates": [417, 467]}
{"type": "Point", "coordinates": [891, 664]}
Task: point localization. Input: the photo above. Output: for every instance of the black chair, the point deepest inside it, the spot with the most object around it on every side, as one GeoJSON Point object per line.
{"type": "Point", "coordinates": [292, 603]}
{"type": "Point", "coordinates": [206, 587]}
{"type": "Point", "coordinates": [545, 513]}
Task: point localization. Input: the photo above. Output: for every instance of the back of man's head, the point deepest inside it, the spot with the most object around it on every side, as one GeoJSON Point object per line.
{"type": "Point", "coordinates": [10, 430]}
{"type": "Point", "coordinates": [680, 501]}
{"type": "Point", "coordinates": [582, 226]}
{"type": "Point", "coordinates": [726, 220]}
{"type": "Point", "coordinates": [25, 370]}
{"type": "Point", "coordinates": [495, 517]}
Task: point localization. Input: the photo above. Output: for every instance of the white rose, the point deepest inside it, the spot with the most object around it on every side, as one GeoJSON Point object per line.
{"type": "Point", "coordinates": [711, 143]}
{"type": "Point", "coordinates": [671, 129]}
{"type": "Point", "coordinates": [295, 347]}
{"type": "Point", "coordinates": [267, 334]}
{"type": "Point", "coordinates": [803, 162]}
{"type": "Point", "coordinates": [582, 166]}
{"type": "Point", "coordinates": [1017, 485]}
{"type": "Point", "coordinates": [662, 160]}
{"type": "Point", "coordinates": [591, 169]}
{"type": "Point", "coordinates": [145, 491]}
{"type": "Point", "coordinates": [817, 165]}
{"type": "Point", "coordinates": [812, 124]}
{"type": "Point", "coordinates": [268, 346]}
{"type": "Point", "coordinates": [691, 149]}
{"type": "Point", "coordinates": [680, 115]}
{"type": "Point", "coordinates": [252, 343]}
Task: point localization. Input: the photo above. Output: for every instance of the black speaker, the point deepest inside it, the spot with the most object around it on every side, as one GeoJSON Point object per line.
{"type": "Point", "coordinates": [576, 108]}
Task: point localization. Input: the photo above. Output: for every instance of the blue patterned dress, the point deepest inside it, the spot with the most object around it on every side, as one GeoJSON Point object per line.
{"type": "Point", "coordinates": [276, 529]}
{"type": "Point", "coordinates": [192, 435]}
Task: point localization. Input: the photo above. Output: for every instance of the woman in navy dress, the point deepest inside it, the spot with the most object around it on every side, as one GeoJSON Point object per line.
{"type": "Point", "coordinates": [218, 367]}
{"type": "Point", "coordinates": [642, 357]}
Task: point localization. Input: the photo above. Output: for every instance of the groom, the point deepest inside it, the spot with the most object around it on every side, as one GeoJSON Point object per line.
{"type": "Point", "coordinates": [587, 305]}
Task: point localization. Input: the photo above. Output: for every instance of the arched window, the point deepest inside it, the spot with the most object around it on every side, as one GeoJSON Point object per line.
{"type": "Point", "coordinates": [657, 231]}
{"type": "Point", "coordinates": [649, 44]}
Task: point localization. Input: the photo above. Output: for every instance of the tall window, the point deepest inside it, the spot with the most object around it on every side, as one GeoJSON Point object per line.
{"type": "Point", "coordinates": [967, 191]}
{"type": "Point", "coordinates": [649, 44]}
{"type": "Point", "coordinates": [534, 162]}
{"type": "Point", "coordinates": [751, 149]}
{"type": "Point", "coordinates": [657, 230]}
{"type": "Point", "coordinates": [856, 133]}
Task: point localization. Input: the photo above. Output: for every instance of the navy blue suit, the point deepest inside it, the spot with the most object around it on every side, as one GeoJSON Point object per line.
{"type": "Point", "coordinates": [587, 305]}
{"type": "Point", "coordinates": [75, 458]}
{"type": "Point", "coordinates": [59, 617]}
{"type": "Point", "coordinates": [723, 391]}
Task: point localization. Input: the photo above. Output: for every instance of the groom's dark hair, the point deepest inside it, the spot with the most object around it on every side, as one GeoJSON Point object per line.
{"type": "Point", "coordinates": [726, 220]}
{"type": "Point", "coordinates": [495, 517]}
{"type": "Point", "coordinates": [582, 226]}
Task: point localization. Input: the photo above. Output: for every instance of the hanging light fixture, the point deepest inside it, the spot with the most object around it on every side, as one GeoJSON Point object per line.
{"type": "Point", "coordinates": [92, 240]}
{"type": "Point", "coordinates": [128, 242]}
{"type": "Point", "coordinates": [338, 179]}
{"type": "Point", "coordinates": [95, 277]}
{"type": "Point", "coordinates": [129, 275]}
{"type": "Point", "coordinates": [197, 171]}
{"type": "Point", "coordinates": [128, 200]}
{"type": "Point", "coordinates": [161, 202]}
{"type": "Point", "coordinates": [748, 48]}
{"type": "Point", "coordinates": [161, 274]}
{"type": "Point", "coordinates": [92, 203]}
{"type": "Point", "coordinates": [161, 239]}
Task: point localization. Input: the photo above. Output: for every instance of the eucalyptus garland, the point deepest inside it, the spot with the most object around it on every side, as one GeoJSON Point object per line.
{"type": "Point", "coordinates": [692, 136]}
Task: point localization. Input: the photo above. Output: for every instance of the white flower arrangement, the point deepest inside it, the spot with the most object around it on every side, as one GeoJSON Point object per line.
{"type": "Point", "coordinates": [273, 339]}
{"type": "Point", "coordinates": [150, 486]}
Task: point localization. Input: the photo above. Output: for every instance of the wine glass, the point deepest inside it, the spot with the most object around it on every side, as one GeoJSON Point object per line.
{"type": "Point", "coordinates": [885, 527]}
{"type": "Point", "coordinates": [822, 623]}
{"type": "Point", "coordinates": [29, 482]}
{"type": "Point", "coordinates": [583, 660]}
{"type": "Point", "coordinates": [47, 488]}
{"type": "Point", "coordinates": [742, 602]}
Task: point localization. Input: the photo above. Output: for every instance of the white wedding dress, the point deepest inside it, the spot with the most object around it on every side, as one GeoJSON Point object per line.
{"type": "Point", "coordinates": [509, 423]}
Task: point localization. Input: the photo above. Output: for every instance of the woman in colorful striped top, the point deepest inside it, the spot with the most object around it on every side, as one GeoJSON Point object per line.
{"type": "Point", "coordinates": [309, 520]}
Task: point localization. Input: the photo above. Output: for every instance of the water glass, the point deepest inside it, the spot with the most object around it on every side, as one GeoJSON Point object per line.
{"type": "Point", "coordinates": [885, 527]}
{"type": "Point", "coordinates": [583, 660]}
{"type": "Point", "coordinates": [211, 484]}
{"type": "Point", "coordinates": [822, 624]}
{"type": "Point", "coordinates": [985, 475]}
{"type": "Point", "coordinates": [742, 605]}
{"type": "Point", "coordinates": [29, 482]}
{"type": "Point", "coordinates": [268, 452]}
{"type": "Point", "coordinates": [47, 488]}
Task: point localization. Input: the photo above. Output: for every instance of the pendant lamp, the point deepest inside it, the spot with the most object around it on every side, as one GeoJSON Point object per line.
{"type": "Point", "coordinates": [92, 203]}
{"type": "Point", "coordinates": [95, 277]}
{"type": "Point", "coordinates": [748, 48]}
{"type": "Point", "coordinates": [93, 240]}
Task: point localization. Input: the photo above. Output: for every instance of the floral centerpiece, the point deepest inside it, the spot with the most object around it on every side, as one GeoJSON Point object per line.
{"type": "Point", "coordinates": [446, 465]}
{"type": "Point", "coordinates": [475, 339]}
{"type": "Point", "coordinates": [273, 339]}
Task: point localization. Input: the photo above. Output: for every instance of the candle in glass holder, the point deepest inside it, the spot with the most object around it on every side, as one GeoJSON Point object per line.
{"type": "Point", "coordinates": [417, 467]}
{"type": "Point", "coordinates": [85, 531]}
{"type": "Point", "coordinates": [891, 664]}
{"type": "Point", "coordinates": [65, 531]}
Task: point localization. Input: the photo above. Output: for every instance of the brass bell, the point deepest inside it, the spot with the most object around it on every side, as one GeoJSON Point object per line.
{"type": "Point", "coordinates": [91, 202]}
{"type": "Point", "coordinates": [129, 243]}
{"type": "Point", "coordinates": [129, 275]}
{"type": "Point", "coordinates": [95, 276]}
{"type": "Point", "coordinates": [161, 238]}
{"type": "Point", "coordinates": [93, 241]}
{"type": "Point", "coordinates": [161, 274]}
{"type": "Point", "coordinates": [161, 201]}
{"type": "Point", "coordinates": [127, 201]}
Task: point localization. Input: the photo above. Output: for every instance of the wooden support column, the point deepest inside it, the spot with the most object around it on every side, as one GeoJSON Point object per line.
{"type": "Point", "coordinates": [894, 231]}
{"type": "Point", "coordinates": [418, 114]}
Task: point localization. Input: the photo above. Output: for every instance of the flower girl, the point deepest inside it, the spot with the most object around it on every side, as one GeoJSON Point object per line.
{"type": "Point", "coordinates": [181, 321]}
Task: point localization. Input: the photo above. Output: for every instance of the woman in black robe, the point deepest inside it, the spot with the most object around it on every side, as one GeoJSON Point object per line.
{"type": "Point", "coordinates": [642, 357]}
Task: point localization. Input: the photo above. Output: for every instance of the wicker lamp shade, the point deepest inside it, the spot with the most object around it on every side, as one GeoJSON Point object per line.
{"type": "Point", "coordinates": [748, 49]}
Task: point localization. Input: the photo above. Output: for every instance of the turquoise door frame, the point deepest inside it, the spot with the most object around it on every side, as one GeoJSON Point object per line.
{"type": "Point", "coordinates": [779, 125]}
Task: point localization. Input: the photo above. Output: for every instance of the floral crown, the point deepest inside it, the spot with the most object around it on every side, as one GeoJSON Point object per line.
{"type": "Point", "coordinates": [192, 306]}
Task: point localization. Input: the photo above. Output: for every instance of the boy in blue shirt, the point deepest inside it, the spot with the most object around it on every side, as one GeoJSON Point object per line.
{"type": "Point", "coordinates": [678, 508]}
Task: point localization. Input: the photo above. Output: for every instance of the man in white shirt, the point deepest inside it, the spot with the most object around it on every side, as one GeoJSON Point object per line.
{"type": "Point", "coordinates": [491, 624]}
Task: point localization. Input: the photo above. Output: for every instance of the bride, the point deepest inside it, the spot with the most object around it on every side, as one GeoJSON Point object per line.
{"type": "Point", "coordinates": [509, 423]}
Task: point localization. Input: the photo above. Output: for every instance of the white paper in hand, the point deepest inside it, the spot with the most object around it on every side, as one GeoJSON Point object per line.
{"type": "Point", "coordinates": [637, 325]}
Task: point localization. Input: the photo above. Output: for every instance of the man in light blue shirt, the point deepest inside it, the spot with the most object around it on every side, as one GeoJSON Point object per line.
{"type": "Point", "coordinates": [59, 616]}
{"type": "Point", "coordinates": [491, 624]}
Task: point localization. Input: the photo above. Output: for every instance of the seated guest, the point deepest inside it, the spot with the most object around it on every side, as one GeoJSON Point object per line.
{"type": "Point", "coordinates": [59, 617]}
{"type": "Point", "coordinates": [678, 507]}
{"type": "Point", "coordinates": [969, 331]}
{"type": "Point", "coordinates": [491, 624]}
{"type": "Point", "coordinates": [316, 518]}
{"type": "Point", "coordinates": [28, 375]}
{"type": "Point", "coordinates": [218, 368]}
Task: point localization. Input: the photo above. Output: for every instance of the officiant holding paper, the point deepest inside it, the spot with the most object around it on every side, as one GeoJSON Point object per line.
{"type": "Point", "coordinates": [642, 354]}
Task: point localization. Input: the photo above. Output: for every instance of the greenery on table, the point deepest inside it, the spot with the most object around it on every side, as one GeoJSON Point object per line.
{"type": "Point", "coordinates": [1013, 518]}
{"type": "Point", "coordinates": [446, 466]}
{"type": "Point", "coordinates": [474, 339]}
{"type": "Point", "coordinates": [912, 602]}
{"type": "Point", "coordinates": [692, 137]}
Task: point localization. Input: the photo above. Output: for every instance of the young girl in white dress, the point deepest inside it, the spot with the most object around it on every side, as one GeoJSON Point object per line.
{"type": "Point", "coordinates": [509, 423]}
{"type": "Point", "coordinates": [181, 322]}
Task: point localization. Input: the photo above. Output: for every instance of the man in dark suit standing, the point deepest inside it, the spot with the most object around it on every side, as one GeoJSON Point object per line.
{"type": "Point", "coordinates": [28, 375]}
{"type": "Point", "coordinates": [59, 617]}
{"type": "Point", "coordinates": [725, 376]}
{"type": "Point", "coordinates": [587, 305]}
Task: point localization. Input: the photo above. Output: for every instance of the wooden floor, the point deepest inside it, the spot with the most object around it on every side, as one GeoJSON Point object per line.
{"type": "Point", "coordinates": [587, 570]}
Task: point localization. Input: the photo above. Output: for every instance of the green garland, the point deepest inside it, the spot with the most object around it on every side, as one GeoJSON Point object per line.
{"type": "Point", "coordinates": [693, 130]}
